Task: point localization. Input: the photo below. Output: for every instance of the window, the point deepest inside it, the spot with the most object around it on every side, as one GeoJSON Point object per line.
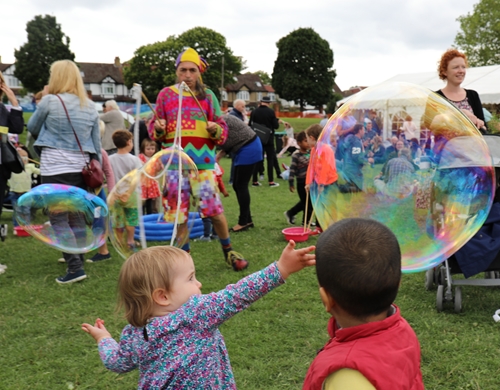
{"type": "Point", "coordinates": [272, 96]}
{"type": "Point", "coordinates": [108, 88]}
{"type": "Point", "coordinates": [258, 84]}
{"type": "Point", "coordinates": [243, 95]}
{"type": "Point", "coordinates": [259, 96]}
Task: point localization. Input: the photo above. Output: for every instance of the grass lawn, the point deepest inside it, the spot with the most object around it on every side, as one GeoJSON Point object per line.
{"type": "Point", "coordinates": [270, 345]}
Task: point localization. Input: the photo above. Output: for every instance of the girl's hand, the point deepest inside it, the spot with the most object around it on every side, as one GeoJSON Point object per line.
{"type": "Point", "coordinates": [292, 260]}
{"type": "Point", "coordinates": [307, 187]}
{"type": "Point", "coordinates": [98, 331]}
{"type": "Point", "coordinates": [10, 95]}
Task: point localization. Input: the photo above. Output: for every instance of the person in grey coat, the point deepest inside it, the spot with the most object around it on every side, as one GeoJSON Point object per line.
{"type": "Point", "coordinates": [245, 147]}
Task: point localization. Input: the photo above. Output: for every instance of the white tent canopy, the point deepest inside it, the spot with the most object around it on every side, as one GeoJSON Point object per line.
{"type": "Point", "coordinates": [485, 80]}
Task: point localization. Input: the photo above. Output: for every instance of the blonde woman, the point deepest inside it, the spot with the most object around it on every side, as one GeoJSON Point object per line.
{"type": "Point", "coordinates": [61, 160]}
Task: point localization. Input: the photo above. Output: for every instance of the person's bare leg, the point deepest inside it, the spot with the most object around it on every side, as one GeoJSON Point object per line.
{"type": "Point", "coordinates": [103, 249]}
{"type": "Point", "coordinates": [220, 226]}
{"type": "Point", "coordinates": [130, 234]}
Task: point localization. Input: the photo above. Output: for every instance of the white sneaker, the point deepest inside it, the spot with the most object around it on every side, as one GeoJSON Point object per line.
{"type": "Point", "coordinates": [61, 260]}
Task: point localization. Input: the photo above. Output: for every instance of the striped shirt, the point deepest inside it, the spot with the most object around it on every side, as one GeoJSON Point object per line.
{"type": "Point", "coordinates": [298, 167]}
{"type": "Point", "coordinates": [58, 161]}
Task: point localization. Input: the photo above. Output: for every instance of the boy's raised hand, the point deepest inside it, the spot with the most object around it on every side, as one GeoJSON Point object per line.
{"type": "Point", "coordinates": [98, 331]}
{"type": "Point", "coordinates": [292, 260]}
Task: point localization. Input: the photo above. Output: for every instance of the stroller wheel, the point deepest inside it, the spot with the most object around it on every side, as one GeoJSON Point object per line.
{"type": "Point", "coordinates": [440, 298]}
{"type": "Point", "coordinates": [429, 279]}
{"type": "Point", "coordinates": [458, 300]}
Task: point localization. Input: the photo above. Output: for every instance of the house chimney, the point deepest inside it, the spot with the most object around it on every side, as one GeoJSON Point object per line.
{"type": "Point", "coordinates": [117, 62]}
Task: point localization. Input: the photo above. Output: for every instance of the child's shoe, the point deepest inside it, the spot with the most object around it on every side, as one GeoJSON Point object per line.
{"type": "Point", "coordinates": [98, 257]}
{"type": "Point", "coordinates": [316, 232]}
{"type": "Point", "coordinates": [72, 277]}
{"type": "Point", "coordinates": [3, 231]}
{"type": "Point", "coordinates": [204, 239]}
{"type": "Point", "coordinates": [236, 260]}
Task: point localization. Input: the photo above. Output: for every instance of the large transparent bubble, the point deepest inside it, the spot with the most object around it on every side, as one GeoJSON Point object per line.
{"type": "Point", "coordinates": [433, 190]}
{"type": "Point", "coordinates": [176, 175]}
{"type": "Point", "coordinates": [65, 217]}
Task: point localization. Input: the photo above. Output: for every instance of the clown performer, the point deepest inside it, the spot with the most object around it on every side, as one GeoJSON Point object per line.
{"type": "Point", "coordinates": [201, 131]}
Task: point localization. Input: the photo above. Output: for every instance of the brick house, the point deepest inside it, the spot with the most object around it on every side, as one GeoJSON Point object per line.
{"type": "Point", "coordinates": [248, 87]}
{"type": "Point", "coordinates": [104, 81]}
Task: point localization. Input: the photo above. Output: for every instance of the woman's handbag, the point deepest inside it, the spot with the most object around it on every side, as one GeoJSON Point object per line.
{"type": "Point", "coordinates": [92, 171]}
{"type": "Point", "coordinates": [11, 160]}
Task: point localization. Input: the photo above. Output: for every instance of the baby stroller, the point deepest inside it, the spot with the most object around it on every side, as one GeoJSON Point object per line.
{"type": "Point", "coordinates": [480, 254]}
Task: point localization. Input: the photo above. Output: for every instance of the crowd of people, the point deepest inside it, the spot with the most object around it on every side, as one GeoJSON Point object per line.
{"type": "Point", "coordinates": [173, 334]}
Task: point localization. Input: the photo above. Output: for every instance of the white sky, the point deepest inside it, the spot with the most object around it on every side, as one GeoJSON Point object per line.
{"type": "Point", "coordinates": [372, 40]}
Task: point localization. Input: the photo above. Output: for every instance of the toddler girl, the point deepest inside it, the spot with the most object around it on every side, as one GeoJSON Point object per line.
{"type": "Point", "coordinates": [173, 336]}
{"type": "Point", "coordinates": [150, 187]}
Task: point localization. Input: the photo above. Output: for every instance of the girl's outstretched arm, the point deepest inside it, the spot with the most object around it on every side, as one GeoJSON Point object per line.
{"type": "Point", "coordinates": [212, 309]}
{"type": "Point", "coordinates": [98, 331]}
{"type": "Point", "coordinates": [116, 357]}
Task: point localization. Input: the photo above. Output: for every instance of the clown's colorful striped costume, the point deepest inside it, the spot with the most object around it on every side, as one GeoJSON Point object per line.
{"type": "Point", "coordinates": [197, 143]}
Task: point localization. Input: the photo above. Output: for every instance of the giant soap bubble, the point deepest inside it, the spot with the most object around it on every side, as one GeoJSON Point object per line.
{"type": "Point", "coordinates": [177, 175]}
{"type": "Point", "coordinates": [434, 194]}
{"type": "Point", "coordinates": [75, 220]}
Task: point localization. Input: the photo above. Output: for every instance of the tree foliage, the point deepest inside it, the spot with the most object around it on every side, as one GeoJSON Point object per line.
{"type": "Point", "coordinates": [46, 44]}
{"type": "Point", "coordinates": [479, 37]}
{"type": "Point", "coordinates": [153, 66]}
{"type": "Point", "coordinates": [265, 77]}
{"type": "Point", "coordinates": [331, 106]}
{"type": "Point", "coordinates": [303, 70]}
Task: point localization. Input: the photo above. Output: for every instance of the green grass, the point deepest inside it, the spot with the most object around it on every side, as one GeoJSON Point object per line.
{"type": "Point", "coordinates": [270, 345]}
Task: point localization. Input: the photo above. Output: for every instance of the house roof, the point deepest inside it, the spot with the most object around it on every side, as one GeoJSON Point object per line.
{"type": "Point", "coordinates": [95, 73]}
{"type": "Point", "coordinates": [269, 88]}
{"type": "Point", "coordinates": [250, 80]}
{"type": "Point", "coordinates": [3, 67]}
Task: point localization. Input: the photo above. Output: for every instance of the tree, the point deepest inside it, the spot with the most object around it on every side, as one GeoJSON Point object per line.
{"type": "Point", "coordinates": [264, 76]}
{"type": "Point", "coordinates": [479, 37]}
{"type": "Point", "coordinates": [303, 70]}
{"type": "Point", "coordinates": [331, 106]}
{"type": "Point", "coordinates": [153, 66]}
{"type": "Point", "coordinates": [46, 44]}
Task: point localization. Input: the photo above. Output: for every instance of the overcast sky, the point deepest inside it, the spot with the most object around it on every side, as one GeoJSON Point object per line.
{"type": "Point", "coordinates": [372, 40]}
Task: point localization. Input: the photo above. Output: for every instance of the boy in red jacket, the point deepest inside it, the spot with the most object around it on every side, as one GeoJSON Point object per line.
{"type": "Point", "coordinates": [358, 265]}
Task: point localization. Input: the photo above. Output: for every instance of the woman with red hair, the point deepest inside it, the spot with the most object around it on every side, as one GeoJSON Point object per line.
{"type": "Point", "coordinates": [452, 68]}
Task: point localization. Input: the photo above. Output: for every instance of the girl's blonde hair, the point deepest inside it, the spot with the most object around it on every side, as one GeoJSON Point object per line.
{"type": "Point", "coordinates": [102, 128]}
{"type": "Point", "coordinates": [141, 274]}
{"type": "Point", "coordinates": [65, 78]}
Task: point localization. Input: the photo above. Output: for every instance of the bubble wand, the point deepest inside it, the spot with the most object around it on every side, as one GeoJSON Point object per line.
{"type": "Point", "coordinates": [136, 93]}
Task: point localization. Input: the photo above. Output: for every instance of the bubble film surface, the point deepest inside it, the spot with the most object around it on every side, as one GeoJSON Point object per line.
{"type": "Point", "coordinates": [64, 217]}
{"type": "Point", "coordinates": [176, 175]}
{"type": "Point", "coordinates": [433, 190]}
